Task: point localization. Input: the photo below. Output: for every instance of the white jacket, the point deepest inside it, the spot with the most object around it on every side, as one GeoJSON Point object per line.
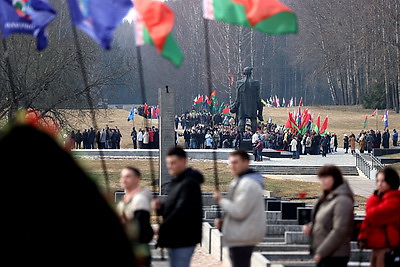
{"type": "Point", "coordinates": [244, 220]}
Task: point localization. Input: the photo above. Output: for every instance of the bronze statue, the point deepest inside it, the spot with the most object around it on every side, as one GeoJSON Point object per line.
{"type": "Point", "coordinates": [248, 103]}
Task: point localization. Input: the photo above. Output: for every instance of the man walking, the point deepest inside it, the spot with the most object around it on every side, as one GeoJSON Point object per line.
{"type": "Point", "coordinates": [243, 226]}
{"type": "Point", "coordinates": [182, 211]}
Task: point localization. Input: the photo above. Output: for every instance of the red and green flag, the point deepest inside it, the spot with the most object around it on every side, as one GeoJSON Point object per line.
{"type": "Point", "coordinates": [226, 110]}
{"type": "Point", "coordinates": [324, 127]}
{"type": "Point", "coordinates": [154, 22]}
{"type": "Point", "coordinates": [365, 121]}
{"type": "Point", "coordinates": [374, 113]}
{"type": "Point", "coordinates": [268, 16]}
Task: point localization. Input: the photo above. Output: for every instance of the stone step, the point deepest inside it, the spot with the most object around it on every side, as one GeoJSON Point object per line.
{"type": "Point", "coordinates": [282, 222]}
{"type": "Point", "coordinates": [272, 246]}
{"type": "Point", "coordinates": [312, 263]}
{"type": "Point", "coordinates": [299, 170]}
{"type": "Point", "coordinates": [281, 229]}
{"type": "Point", "coordinates": [274, 256]}
{"type": "Point", "coordinates": [274, 239]}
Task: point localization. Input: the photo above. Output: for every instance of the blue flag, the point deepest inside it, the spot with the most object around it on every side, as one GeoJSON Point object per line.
{"type": "Point", "coordinates": [131, 115]}
{"type": "Point", "coordinates": [99, 18]}
{"type": "Point", "coordinates": [28, 17]}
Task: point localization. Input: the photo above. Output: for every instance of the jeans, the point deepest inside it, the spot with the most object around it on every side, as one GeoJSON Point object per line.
{"type": "Point", "coordinates": [259, 155]}
{"type": "Point", "coordinates": [334, 262]}
{"type": "Point", "coordinates": [180, 257]}
{"type": "Point", "coordinates": [241, 256]}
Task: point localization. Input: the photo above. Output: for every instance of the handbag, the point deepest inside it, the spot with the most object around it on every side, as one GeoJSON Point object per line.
{"type": "Point", "coordinates": [392, 258]}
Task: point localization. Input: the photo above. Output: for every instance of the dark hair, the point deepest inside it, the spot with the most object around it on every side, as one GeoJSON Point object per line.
{"type": "Point", "coordinates": [177, 151]}
{"type": "Point", "coordinates": [134, 170]}
{"type": "Point", "coordinates": [334, 171]}
{"type": "Point", "coordinates": [240, 153]}
{"type": "Point", "coordinates": [391, 177]}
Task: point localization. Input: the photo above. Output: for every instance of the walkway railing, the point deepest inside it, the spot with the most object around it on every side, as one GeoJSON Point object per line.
{"type": "Point", "coordinates": [369, 169]}
{"type": "Point", "coordinates": [363, 165]}
{"type": "Point", "coordinates": [376, 163]}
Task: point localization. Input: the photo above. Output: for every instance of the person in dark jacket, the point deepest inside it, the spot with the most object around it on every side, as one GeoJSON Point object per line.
{"type": "Point", "coordinates": [325, 145]}
{"type": "Point", "coordinates": [385, 138]}
{"type": "Point", "coordinates": [346, 143]}
{"type": "Point", "coordinates": [182, 210]}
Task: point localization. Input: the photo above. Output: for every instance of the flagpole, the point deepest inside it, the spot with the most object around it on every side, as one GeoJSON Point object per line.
{"type": "Point", "coordinates": [89, 99]}
{"type": "Point", "coordinates": [210, 88]}
{"type": "Point", "coordinates": [145, 120]}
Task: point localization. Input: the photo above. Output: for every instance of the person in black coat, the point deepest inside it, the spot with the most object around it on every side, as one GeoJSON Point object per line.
{"type": "Point", "coordinates": [325, 145]}
{"type": "Point", "coordinates": [182, 210]}
{"type": "Point", "coordinates": [385, 138]}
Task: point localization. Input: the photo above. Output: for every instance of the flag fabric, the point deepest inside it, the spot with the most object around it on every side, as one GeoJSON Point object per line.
{"type": "Point", "coordinates": [153, 113]}
{"type": "Point", "coordinates": [299, 117]}
{"type": "Point", "coordinates": [263, 102]}
{"type": "Point", "coordinates": [324, 127]}
{"type": "Point", "coordinates": [301, 102]}
{"type": "Point", "coordinates": [318, 124]}
{"type": "Point", "coordinates": [365, 121]}
{"type": "Point", "coordinates": [158, 111]}
{"type": "Point", "coordinates": [231, 79]}
{"type": "Point", "coordinates": [131, 115]}
{"type": "Point", "coordinates": [146, 109]}
{"type": "Point", "coordinates": [99, 18]}
{"type": "Point", "coordinates": [27, 17]}
{"type": "Point", "coordinates": [267, 16]}
{"type": "Point", "coordinates": [198, 100]}
{"type": "Point", "coordinates": [386, 119]}
{"type": "Point", "coordinates": [374, 113]}
{"type": "Point", "coordinates": [154, 21]}
{"type": "Point", "coordinates": [226, 110]}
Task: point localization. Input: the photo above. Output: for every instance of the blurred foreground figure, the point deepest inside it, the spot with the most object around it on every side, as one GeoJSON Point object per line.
{"type": "Point", "coordinates": [332, 220]}
{"type": "Point", "coordinates": [380, 230]}
{"type": "Point", "coordinates": [52, 213]}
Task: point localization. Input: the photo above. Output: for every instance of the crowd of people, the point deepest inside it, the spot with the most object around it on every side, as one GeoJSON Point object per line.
{"type": "Point", "coordinates": [243, 225]}
{"type": "Point", "coordinates": [107, 138]}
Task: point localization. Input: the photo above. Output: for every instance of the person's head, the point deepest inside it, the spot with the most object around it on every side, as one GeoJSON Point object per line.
{"type": "Point", "coordinates": [239, 162]}
{"type": "Point", "coordinates": [130, 178]}
{"type": "Point", "coordinates": [387, 179]}
{"type": "Point", "coordinates": [330, 177]}
{"type": "Point", "coordinates": [176, 161]}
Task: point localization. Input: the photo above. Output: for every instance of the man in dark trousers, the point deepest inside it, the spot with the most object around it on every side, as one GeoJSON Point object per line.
{"type": "Point", "coordinates": [182, 211]}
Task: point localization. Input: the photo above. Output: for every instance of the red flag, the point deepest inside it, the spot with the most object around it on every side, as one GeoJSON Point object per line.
{"type": "Point", "coordinates": [146, 109]}
{"type": "Point", "coordinates": [158, 111]}
{"type": "Point", "coordinates": [288, 124]}
{"type": "Point", "coordinates": [374, 113]}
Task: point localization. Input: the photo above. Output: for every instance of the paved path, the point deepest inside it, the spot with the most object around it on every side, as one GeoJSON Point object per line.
{"type": "Point", "coordinates": [339, 158]}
